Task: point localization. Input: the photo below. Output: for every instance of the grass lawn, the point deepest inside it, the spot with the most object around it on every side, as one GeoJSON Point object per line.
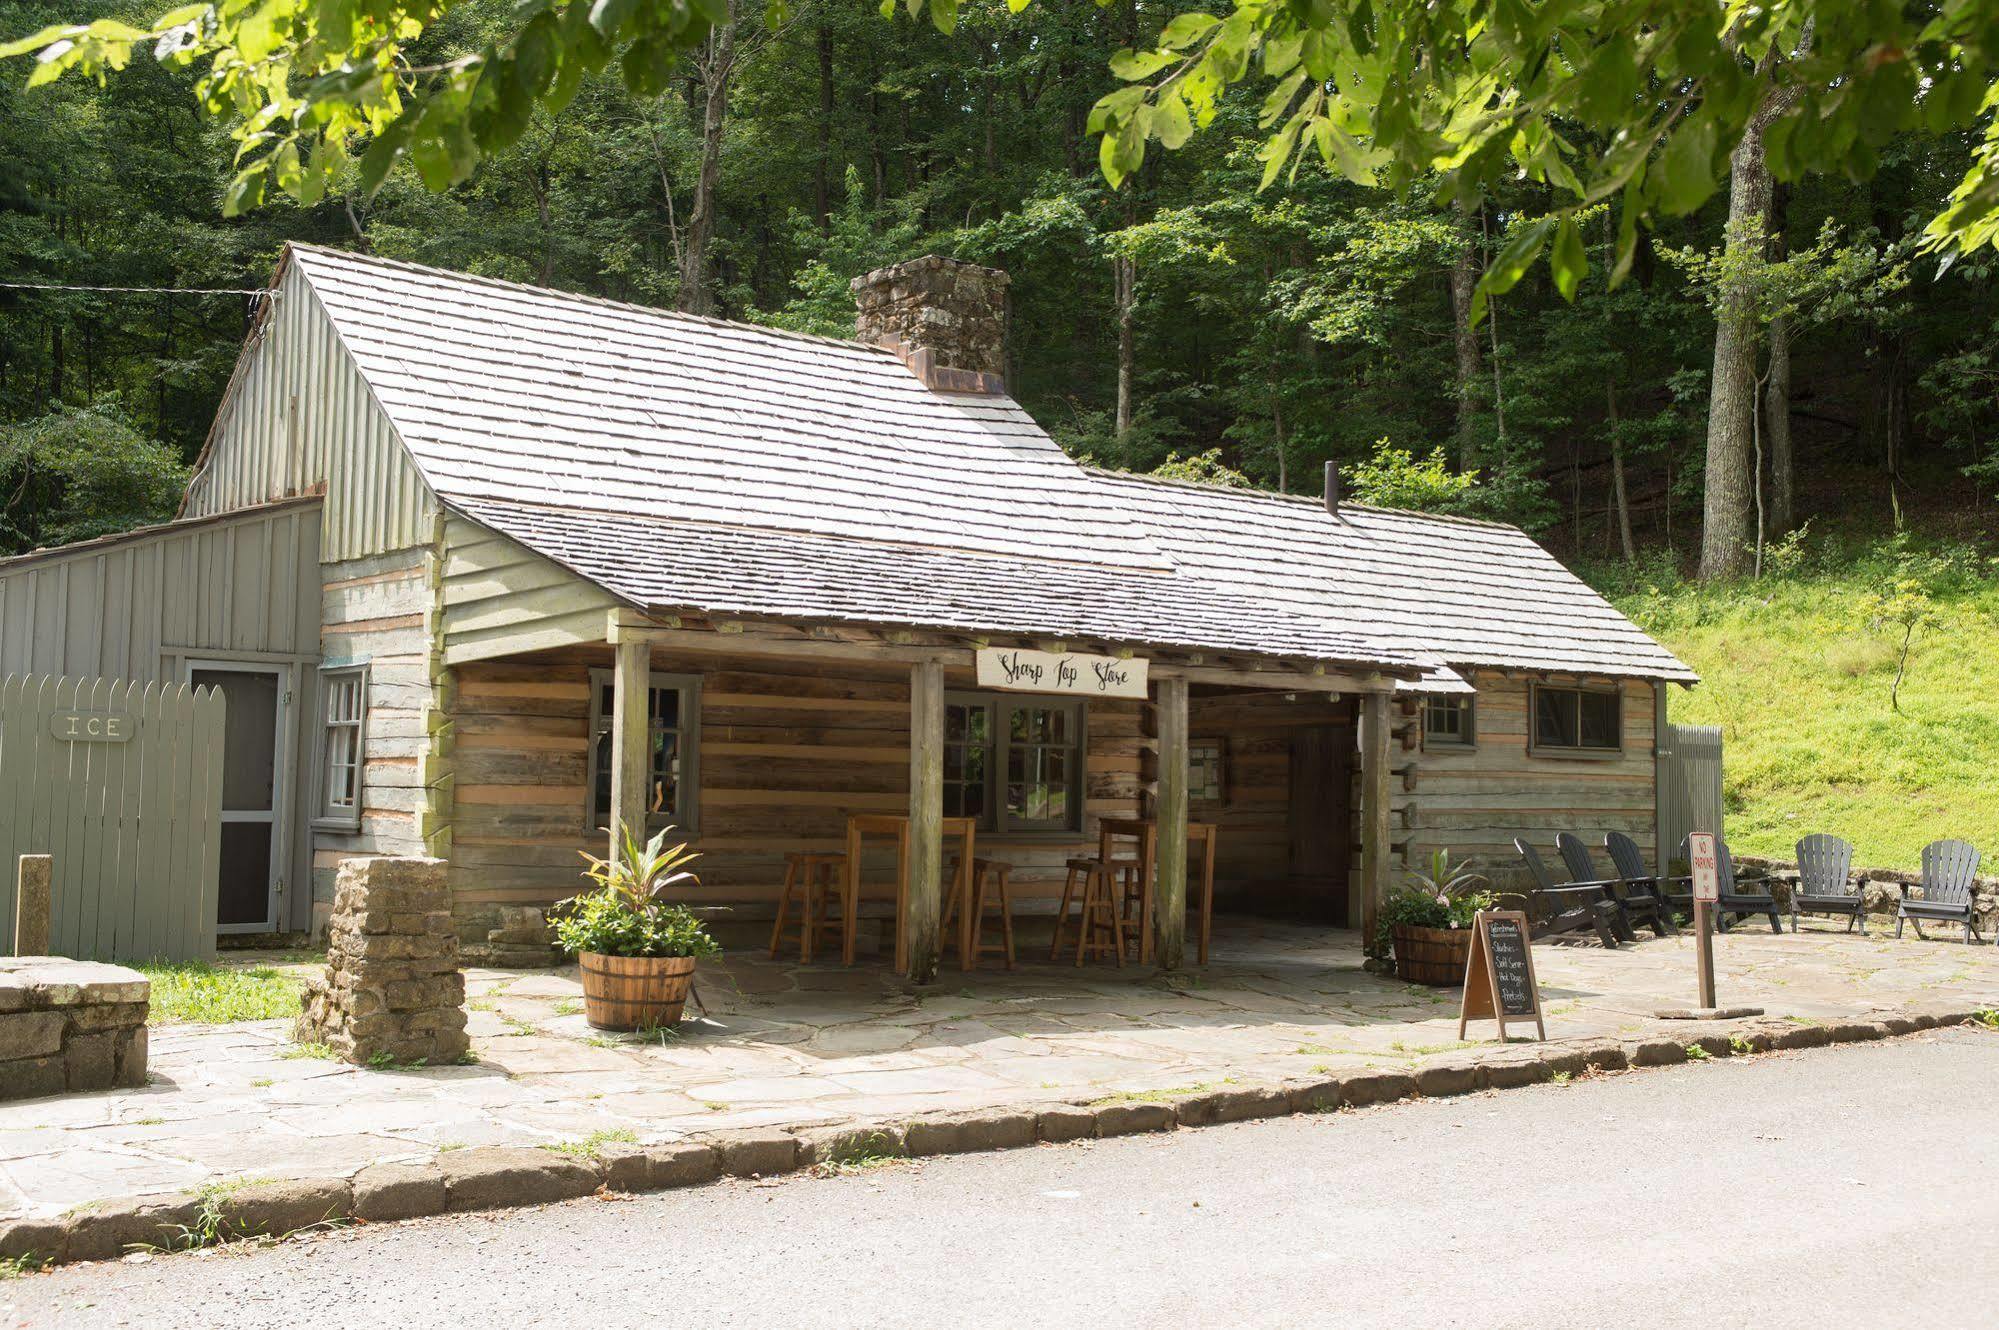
{"type": "Point", "coordinates": [200, 993]}
{"type": "Point", "coordinates": [1797, 675]}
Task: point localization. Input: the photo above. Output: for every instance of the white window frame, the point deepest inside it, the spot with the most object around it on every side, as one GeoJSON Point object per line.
{"type": "Point", "coordinates": [687, 785]}
{"type": "Point", "coordinates": [995, 820]}
{"type": "Point", "coordinates": [1467, 736]}
{"type": "Point", "coordinates": [327, 814]}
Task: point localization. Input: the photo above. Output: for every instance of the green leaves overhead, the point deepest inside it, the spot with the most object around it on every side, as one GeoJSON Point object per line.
{"type": "Point", "coordinates": [1640, 101]}
{"type": "Point", "coordinates": [310, 83]}
{"type": "Point", "coordinates": [1635, 100]}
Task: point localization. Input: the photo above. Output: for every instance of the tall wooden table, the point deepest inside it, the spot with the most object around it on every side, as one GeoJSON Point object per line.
{"type": "Point", "coordinates": [1145, 831]}
{"type": "Point", "coordinates": [860, 825]}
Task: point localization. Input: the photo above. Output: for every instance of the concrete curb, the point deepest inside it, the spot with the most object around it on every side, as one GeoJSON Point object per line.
{"type": "Point", "coordinates": [504, 1177]}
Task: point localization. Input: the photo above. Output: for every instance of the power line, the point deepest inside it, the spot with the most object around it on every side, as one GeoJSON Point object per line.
{"type": "Point", "coordinates": [144, 290]}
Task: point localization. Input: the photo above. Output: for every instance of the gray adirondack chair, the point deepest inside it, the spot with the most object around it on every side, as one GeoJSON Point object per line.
{"type": "Point", "coordinates": [1555, 908]}
{"type": "Point", "coordinates": [1641, 895]}
{"type": "Point", "coordinates": [1825, 882]}
{"type": "Point", "coordinates": [1632, 907]}
{"type": "Point", "coordinates": [1950, 869]}
{"type": "Point", "coordinates": [1732, 899]}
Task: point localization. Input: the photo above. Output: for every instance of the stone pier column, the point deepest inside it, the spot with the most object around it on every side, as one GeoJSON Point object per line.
{"type": "Point", "coordinates": [392, 985]}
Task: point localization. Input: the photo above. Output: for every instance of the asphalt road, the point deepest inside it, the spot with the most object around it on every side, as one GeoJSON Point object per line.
{"type": "Point", "coordinates": [1772, 1192]}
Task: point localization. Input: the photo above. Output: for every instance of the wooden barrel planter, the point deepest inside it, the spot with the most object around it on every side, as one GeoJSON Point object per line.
{"type": "Point", "coordinates": [1431, 955]}
{"type": "Point", "coordinates": [634, 992]}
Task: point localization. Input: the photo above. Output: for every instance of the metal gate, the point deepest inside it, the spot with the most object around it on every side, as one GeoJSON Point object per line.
{"type": "Point", "coordinates": [1689, 786]}
{"type": "Point", "coordinates": [120, 783]}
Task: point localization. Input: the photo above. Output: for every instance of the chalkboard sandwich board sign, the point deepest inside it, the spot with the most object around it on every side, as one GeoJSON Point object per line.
{"type": "Point", "coordinates": [1499, 975]}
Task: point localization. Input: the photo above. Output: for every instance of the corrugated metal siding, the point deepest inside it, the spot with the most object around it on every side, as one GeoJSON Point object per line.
{"type": "Point", "coordinates": [299, 417]}
{"type": "Point", "coordinates": [121, 608]}
{"type": "Point", "coordinates": [501, 598]}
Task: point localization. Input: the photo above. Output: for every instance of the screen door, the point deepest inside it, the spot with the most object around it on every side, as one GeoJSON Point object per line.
{"type": "Point", "coordinates": [252, 751]}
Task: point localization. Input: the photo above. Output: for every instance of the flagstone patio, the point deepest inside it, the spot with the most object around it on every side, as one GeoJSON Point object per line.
{"type": "Point", "coordinates": [783, 1045]}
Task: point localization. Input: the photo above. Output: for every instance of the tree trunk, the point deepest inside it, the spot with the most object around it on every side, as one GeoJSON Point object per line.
{"type": "Point", "coordinates": [1726, 512]}
{"type": "Point", "coordinates": [1777, 385]}
{"type": "Point", "coordinates": [1619, 493]}
{"type": "Point", "coordinates": [1278, 441]}
{"type": "Point", "coordinates": [1777, 424]}
{"type": "Point", "coordinates": [715, 72]}
{"type": "Point", "coordinates": [1124, 280]}
{"type": "Point", "coordinates": [1464, 278]}
{"type": "Point", "coordinates": [822, 165]}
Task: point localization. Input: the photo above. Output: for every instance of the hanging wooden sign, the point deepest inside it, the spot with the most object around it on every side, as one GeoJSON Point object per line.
{"type": "Point", "coordinates": [1027, 671]}
{"type": "Point", "coordinates": [1499, 975]}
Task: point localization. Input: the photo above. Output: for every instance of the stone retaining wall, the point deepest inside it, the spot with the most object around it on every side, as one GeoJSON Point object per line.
{"type": "Point", "coordinates": [1882, 887]}
{"type": "Point", "coordinates": [67, 1026]}
{"type": "Point", "coordinates": [392, 989]}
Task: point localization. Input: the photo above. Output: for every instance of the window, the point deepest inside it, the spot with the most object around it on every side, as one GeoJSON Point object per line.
{"type": "Point", "coordinates": [1204, 770]}
{"type": "Point", "coordinates": [1447, 720]}
{"type": "Point", "coordinates": [1015, 764]}
{"type": "Point", "coordinates": [673, 709]}
{"type": "Point", "coordinates": [1578, 720]}
{"type": "Point", "coordinates": [345, 694]}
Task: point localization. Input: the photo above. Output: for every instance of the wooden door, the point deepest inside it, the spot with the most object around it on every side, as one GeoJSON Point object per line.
{"type": "Point", "coordinates": [1321, 821]}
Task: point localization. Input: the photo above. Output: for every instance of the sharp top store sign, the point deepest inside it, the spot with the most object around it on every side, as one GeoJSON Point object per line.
{"type": "Point", "coordinates": [1060, 672]}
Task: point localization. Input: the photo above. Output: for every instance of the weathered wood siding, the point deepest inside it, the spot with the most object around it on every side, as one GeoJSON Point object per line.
{"type": "Point", "coordinates": [123, 609]}
{"type": "Point", "coordinates": [241, 587]}
{"type": "Point", "coordinates": [377, 612]}
{"type": "Point", "coordinates": [298, 419]}
{"type": "Point", "coordinates": [1474, 802]}
{"type": "Point", "coordinates": [1254, 855]}
{"type": "Point", "coordinates": [788, 749]}
{"type": "Point", "coordinates": [502, 599]}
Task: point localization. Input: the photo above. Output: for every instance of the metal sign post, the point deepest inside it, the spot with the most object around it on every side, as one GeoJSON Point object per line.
{"type": "Point", "coordinates": [1707, 890]}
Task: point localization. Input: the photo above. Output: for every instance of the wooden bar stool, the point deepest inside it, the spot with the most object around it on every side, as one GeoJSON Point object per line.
{"type": "Point", "coordinates": [1099, 926]}
{"type": "Point", "coordinates": [988, 883]}
{"type": "Point", "coordinates": [815, 882]}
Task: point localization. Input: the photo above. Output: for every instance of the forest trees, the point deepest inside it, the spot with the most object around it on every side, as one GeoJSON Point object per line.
{"type": "Point", "coordinates": [1263, 329]}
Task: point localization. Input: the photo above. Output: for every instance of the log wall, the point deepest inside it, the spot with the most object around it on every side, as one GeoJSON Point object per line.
{"type": "Point", "coordinates": [1253, 859]}
{"type": "Point", "coordinates": [1474, 801]}
{"type": "Point", "coordinates": [376, 612]}
{"type": "Point", "coordinates": [787, 751]}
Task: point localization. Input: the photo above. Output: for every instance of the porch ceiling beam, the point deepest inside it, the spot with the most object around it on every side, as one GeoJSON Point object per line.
{"type": "Point", "coordinates": [743, 643]}
{"type": "Point", "coordinates": [910, 648]}
{"type": "Point", "coordinates": [1278, 681]}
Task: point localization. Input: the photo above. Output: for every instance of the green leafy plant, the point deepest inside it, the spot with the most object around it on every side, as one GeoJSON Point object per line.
{"type": "Point", "coordinates": [1446, 895]}
{"type": "Point", "coordinates": [625, 915]}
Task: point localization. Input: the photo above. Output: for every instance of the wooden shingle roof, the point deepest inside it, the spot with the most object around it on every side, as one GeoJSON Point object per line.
{"type": "Point", "coordinates": [685, 463]}
{"type": "Point", "coordinates": [1473, 593]}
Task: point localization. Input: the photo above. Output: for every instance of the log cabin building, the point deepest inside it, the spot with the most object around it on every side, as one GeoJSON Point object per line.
{"type": "Point", "coordinates": [492, 568]}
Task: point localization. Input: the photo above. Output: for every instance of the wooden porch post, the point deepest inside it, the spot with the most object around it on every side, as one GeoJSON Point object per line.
{"type": "Point", "coordinates": [631, 724]}
{"type": "Point", "coordinates": [1170, 910]}
{"type": "Point", "coordinates": [923, 914]}
{"type": "Point", "coordinates": [1374, 725]}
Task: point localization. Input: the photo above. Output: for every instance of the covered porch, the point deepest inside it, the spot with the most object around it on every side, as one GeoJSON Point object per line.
{"type": "Point", "coordinates": [766, 740]}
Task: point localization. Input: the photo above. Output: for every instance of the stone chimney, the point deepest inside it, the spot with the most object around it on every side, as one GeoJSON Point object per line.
{"type": "Point", "coordinates": [945, 318]}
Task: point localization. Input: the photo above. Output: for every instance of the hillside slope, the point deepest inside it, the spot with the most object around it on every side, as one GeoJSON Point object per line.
{"type": "Point", "coordinates": [1797, 672]}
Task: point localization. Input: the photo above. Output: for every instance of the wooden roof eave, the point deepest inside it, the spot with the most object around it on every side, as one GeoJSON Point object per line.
{"type": "Point", "coordinates": [846, 640]}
